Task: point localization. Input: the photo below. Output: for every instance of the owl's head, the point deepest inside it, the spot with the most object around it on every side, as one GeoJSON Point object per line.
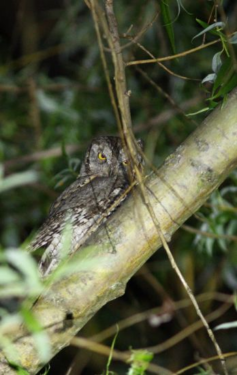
{"type": "Point", "coordinates": [106, 156]}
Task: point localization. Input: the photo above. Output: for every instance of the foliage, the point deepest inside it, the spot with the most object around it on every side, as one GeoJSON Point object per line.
{"type": "Point", "coordinates": [107, 372]}
{"type": "Point", "coordinates": [140, 360]}
{"type": "Point", "coordinates": [54, 95]}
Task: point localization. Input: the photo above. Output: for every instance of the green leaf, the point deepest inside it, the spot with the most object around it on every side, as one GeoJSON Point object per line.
{"type": "Point", "coordinates": [165, 11]}
{"type": "Point", "coordinates": [197, 113]}
{"type": "Point", "coordinates": [210, 78]}
{"type": "Point", "coordinates": [216, 62]}
{"type": "Point", "coordinates": [24, 262]}
{"type": "Point", "coordinates": [140, 360]}
{"type": "Point", "coordinates": [202, 372]}
{"type": "Point", "coordinates": [41, 339]}
{"type": "Point", "coordinates": [233, 39]}
{"type": "Point", "coordinates": [230, 85]}
{"type": "Point", "coordinates": [18, 179]}
{"type": "Point", "coordinates": [111, 352]}
{"type": "Point", "coordinates": [19, 370]}
{"type": "Point", "coordinates": [8, 275]}
{"type": "Point", "coordinates": [202, 23]}
{"type": "Point", "coordinates": [229, 325]}
{"type": "Point", "coordinates": [180, 5]}
{"type": "Point", "coordinates": [222, 74]}
{"type": "Point", "coordinates": [209, 27]}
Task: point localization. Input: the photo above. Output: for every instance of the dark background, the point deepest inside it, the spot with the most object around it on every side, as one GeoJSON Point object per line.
{"type": "Point", "coordinates": [54, 95]}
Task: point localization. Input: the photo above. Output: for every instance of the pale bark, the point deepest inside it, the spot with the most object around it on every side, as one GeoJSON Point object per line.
{"type": "Point", "coordinates": [130, 237]}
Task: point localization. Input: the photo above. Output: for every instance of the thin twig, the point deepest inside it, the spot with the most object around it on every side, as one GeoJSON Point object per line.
{"type": "Point", "coordinates": [140, 317]}
{"type": "Point", "coordinates": [54, 87]}
{"type": "Point", "coordinates": [165, 116]}
{"type": "Point", "coordinates": [163, 93]}
{"type": "Point", "coordinates": [40, 155]}
{"type": "Point", "coordinates": [120, 78]}
{"type": "Point", "coordinates": [123, 94]}
{"type": "Point", "coordinates": [103, 58]}
{"type": "Point", "coordinates": [180, 336]}
{"type": "Point", "coordinates": [173, 57]}
{"type": "Point", "coordinates": [120, 356]}
{"type": "Point", "coordinates": [203, 361]}
{"type": "Point", "coordinates": [134, 41]}
{"type": "Point", "coordinates": [208, 234]}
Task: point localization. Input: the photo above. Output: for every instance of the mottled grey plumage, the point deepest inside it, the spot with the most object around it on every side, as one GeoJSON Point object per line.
{"type": "Point", "coordinates": [104, 177]}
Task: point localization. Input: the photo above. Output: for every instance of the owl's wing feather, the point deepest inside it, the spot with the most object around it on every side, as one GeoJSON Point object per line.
{"type": "Point", "coordinates": [83, 205]}
{"type": "Point", "coordinates": [70, 192]}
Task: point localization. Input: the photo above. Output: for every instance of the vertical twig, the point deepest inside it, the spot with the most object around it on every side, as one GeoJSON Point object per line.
{"type": "Point", "coordinates": [123, 94]}
{"type": "Point", "coordinates": [120, 78]}
{"type": "Point", "coordinates": [103, 58]}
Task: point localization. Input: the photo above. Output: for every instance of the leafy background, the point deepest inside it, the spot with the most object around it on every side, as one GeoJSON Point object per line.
{"type": "Point", "coordinates": [54, 100]}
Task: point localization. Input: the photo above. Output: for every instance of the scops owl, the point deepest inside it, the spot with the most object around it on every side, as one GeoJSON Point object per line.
{"type": "Point", "coordinates": [104, 177]}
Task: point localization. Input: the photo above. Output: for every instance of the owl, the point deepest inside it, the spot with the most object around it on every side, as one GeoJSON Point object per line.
{"type": "Point", "coordinates": [104, 178]}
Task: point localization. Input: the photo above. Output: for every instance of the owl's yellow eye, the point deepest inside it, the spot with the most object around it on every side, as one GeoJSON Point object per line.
{"type": "Point", "coordinates": [125, 162]}
{"type": "Point", "coordinates": [101, 156]}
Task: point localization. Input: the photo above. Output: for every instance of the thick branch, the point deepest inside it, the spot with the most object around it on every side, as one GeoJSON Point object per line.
{"type": "Point", "coordinates": [185, 181]}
